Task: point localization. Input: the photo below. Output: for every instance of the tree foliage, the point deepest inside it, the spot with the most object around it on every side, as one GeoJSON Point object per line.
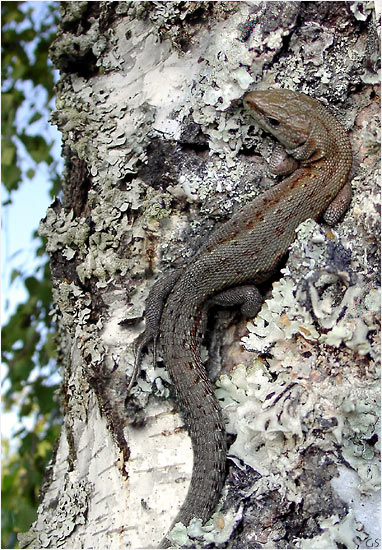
{"type": "Point", "coordinates": [24, 62]}
{"type": "Point", "coordinates": [29, 387]}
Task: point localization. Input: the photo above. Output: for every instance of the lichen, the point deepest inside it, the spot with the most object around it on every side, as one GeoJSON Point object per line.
{"type": "Point", "coordinates": [347, 532]}
{"type": "Point", "coordinates": [276, 415]}
{"type": "Point", "coordinates": [284, 316]}
{"type": "Point", "coordinates": [216, 531]}
{"type": "Point", "coordinates": [279, 409]}
{"type": "Point", "coordinates": [63, 232]}
{"type": "Point", "coordinates": [70, 512]}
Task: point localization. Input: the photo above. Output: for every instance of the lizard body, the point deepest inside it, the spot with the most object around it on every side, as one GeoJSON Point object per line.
{"type": "Point", "coordinates": [238, 255]}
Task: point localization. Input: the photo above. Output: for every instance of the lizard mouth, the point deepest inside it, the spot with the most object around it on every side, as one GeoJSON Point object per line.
{"type": "Point", "coordinates": [250, 103]}
{"type": "Point", "coordinates": [253, 103]}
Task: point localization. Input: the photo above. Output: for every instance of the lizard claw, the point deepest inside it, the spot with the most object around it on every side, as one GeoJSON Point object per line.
{"type": "Point", "coordinates": [155, 341]}
{"type": "Point", "coordinates": [143, 340]}
{"type": "Point", "coordinates": [137, 365]}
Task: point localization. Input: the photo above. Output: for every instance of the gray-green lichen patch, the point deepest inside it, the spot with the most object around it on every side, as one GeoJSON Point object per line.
{"type": "Point", "coordinates": [336, 531]}
{"type": "Point", "coordinates": [216, 531]}
{"type": "Point", "coordinates": [298, 308]}
{"type": "Point", "coordinates": [73, 304]}
{"type": "Point", "coordinates": [70, 512]}
{"type": "Point", "coordinates": [222, 79]}
{"type": "Point", "coordinates": [73, 11]}
{"type": "Point", "coordinates": [365, 505]}
{"type": "Point", "coordinates": [278, 414]}
{"type": "Point", "coordinates": [64, 232]}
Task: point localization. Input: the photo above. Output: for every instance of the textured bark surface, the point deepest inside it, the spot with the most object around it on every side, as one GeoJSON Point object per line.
{"type": "Point", "coordinates": [158, 152]}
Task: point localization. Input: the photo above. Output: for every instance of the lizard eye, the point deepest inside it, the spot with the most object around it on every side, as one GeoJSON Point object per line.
{"type": "Point", "coordinates": [273, 121]}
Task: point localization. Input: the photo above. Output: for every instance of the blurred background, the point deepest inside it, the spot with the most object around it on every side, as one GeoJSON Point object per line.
{"type": "Point", "coordinates": [31, 168]}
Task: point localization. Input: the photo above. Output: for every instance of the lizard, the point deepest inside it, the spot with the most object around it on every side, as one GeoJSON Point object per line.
{"type": "Point", "coordinates": [239, 255]}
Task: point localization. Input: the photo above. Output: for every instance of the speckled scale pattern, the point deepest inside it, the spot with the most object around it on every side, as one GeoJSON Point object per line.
{"type": "Point", "coordinates": [244, 250]}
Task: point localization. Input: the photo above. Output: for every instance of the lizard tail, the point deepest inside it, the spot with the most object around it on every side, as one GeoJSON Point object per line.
{"type": "Point", "coordinates": [206, 427]}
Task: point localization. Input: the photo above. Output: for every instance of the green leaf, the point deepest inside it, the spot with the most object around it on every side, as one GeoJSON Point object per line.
{"type": "Point", "coordinates": [35, 117]}
{"type": "Point", "coordinates": [11, 177]}
{"type": "Point", "coordinates": [8, 154]}
{"type": "Point", "coordinates": [37, 147]}
{"type": "Point", "coordinates": [10, 101]}
{"type": "Point", "coordinates": [45, 395]}
{"type": "Point", "coordinates": [15, 274]}
{"type": "Point", "coordinates": [10, 12]}
{"type": "Point", "coordinates": [32, 284]}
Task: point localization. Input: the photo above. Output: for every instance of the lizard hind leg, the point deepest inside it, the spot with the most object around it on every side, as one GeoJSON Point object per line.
{"type": "Point", "coordinates": [246, 296]}
{"type": "Point", "coordinates": [338, 206]}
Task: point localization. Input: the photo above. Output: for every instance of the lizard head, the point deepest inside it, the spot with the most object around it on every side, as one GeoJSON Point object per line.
{"type": "Point", "coordinates": [283, 113]}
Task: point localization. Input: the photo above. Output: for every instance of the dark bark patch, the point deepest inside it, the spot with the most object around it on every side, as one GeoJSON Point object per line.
{"type": "Point", "coordinates": [76, 184]}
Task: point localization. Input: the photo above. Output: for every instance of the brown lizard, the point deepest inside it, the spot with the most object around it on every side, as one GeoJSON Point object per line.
{"type": "Point", "coordinates": [238, 255]}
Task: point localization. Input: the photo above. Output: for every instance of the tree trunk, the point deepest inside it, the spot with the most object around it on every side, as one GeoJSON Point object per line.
{"type": "Point", "coordinates": [158, 152]}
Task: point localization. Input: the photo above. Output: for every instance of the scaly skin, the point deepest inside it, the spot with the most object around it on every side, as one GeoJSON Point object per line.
{"type": "Point", "coordinates": [244, 251]}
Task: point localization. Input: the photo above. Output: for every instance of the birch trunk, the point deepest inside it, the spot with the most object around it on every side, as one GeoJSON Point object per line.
{"type": "Point", "coordinates": [158, 151]}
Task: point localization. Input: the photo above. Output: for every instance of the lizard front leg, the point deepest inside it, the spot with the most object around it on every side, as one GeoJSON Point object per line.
{"type": "Point", "coordinates": [283, 164]}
